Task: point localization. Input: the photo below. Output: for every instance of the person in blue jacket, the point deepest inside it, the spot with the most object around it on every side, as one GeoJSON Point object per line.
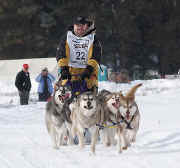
{"type": "Point", "coordinates": [45, 88]}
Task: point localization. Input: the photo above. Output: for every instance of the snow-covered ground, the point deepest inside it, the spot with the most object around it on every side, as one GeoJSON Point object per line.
{"type": "Point", "coordinates": [25, 143]}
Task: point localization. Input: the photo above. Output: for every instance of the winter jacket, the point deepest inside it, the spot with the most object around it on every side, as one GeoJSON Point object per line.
{"type": "Point", "coordinates": [40, 80]}
{"type": "Point", "coordinates": [23, 82]}
{"type": "Point", "coordinates": [94, 56]}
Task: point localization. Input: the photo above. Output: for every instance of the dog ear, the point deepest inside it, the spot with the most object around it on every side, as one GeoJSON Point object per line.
{"type": "Point", "coordinates": [95, 91]}
{"type": "Point", "coordinates": [56, 86]}
{"type": "Point", "coordinates": [121, 95]}
{"type": "Point", "coordinates": [108, 97]}
{"type": "Point", "coordinates": [78, 100]}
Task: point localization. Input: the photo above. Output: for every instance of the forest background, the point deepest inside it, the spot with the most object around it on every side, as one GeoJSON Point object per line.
{"type": "Point", "coordinates": [142, 34]}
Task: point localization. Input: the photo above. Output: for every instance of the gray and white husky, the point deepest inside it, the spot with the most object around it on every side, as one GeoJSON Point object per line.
{"type": "Point", "coordinates": [85, 114]}
{"type": "Point", "coordinates": [57, 116]}
{"type": "Point", "coordinates": [110, 105]}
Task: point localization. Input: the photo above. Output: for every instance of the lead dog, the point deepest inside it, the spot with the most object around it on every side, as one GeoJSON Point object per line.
{"type": "Point", "coordinates": [86, 113]}
{"type": "Point", "coordinates": [56, 116]}
{"type": "Point", "coordinates": [130, 114]}
{"type": "Point", "coordinates": [110, 105]}
{"type": "Point", "coordinates": [122, 113]}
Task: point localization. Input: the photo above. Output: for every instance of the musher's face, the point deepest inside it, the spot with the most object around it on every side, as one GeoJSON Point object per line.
{"type": "Point", "coordinates": [80, 29]}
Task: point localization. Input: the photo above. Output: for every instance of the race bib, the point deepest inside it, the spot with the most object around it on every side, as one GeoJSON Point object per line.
{"type": "Point", "coordinates": [79, 49]}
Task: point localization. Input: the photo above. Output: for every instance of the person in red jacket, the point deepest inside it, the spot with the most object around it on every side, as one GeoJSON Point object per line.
{"type": "Point", "coordinates": [79, 53]}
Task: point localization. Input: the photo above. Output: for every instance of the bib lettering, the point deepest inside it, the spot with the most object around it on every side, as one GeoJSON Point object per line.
{"type": "Point", "coordinates": [79, 49]}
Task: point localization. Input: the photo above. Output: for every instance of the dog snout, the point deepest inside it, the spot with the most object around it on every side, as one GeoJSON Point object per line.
{"type": "Point", "coordinates": [117, 100]}
{"type": "Point", "coordinates": [88, 103]}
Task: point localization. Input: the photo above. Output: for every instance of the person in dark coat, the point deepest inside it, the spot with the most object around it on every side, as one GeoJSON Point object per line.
{"type": "Point", "coordinates": [45, 88]}
{"type": "Point", "coordinates": [79, 53]}
{"type": "Point", "coordinates": [23, 84]}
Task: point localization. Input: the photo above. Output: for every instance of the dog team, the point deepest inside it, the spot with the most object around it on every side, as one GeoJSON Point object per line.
{"type": "Point", "coordinates": [112, 118]}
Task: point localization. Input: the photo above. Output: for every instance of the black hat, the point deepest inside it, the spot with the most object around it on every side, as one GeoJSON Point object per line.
{"type": "Point", "coordinates": [45, 69]}
{"type": "Point", "coordinates": [81, 20]}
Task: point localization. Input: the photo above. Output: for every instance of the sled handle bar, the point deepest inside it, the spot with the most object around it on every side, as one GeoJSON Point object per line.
{"type": "Point", "coordinates": [76, 75]}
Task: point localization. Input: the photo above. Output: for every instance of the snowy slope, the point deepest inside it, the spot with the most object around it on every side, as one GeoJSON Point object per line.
{"type": "Point", "coordinates": [24, 142]}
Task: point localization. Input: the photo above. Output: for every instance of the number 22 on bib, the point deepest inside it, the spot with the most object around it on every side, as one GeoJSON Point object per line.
{"type": "Point", "coordinates": [79, 49]}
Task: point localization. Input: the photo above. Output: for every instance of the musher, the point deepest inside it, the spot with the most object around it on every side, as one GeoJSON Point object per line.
{"type": "Point", "coordinates": [78, 56]}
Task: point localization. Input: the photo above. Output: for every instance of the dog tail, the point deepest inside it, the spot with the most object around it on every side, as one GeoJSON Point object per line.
{"type": "Point", "coordinates": [132, 91]}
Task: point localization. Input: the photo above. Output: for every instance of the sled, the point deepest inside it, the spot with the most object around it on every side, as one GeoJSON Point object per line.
{"type": "Point", "coordinates": [78, 86]}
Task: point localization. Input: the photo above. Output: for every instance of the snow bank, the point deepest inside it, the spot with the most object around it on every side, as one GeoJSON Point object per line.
{"type": "Point", "coordinates": [9, 68]}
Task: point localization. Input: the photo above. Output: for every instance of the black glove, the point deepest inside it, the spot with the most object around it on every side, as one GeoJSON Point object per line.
{"type": "Point", "coordinates": [87, 72]}
{"type": "Point", "coordinates": [65, 74]}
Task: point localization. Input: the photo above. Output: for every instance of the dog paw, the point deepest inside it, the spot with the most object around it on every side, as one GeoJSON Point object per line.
{"type": "Point", "coordinates": [124, 147]}
{"type": "Point", "coordinates": [107, 144]}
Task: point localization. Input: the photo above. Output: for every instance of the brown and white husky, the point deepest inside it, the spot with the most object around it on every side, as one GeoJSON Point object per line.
{"type": "Point", "coordinates": [130, 114]}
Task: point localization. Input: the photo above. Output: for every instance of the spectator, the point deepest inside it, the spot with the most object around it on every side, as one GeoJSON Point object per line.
{"type": "Point", "coordinates": [23, 84]}
{"type": "Point", "coordinates": [45, 88]}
